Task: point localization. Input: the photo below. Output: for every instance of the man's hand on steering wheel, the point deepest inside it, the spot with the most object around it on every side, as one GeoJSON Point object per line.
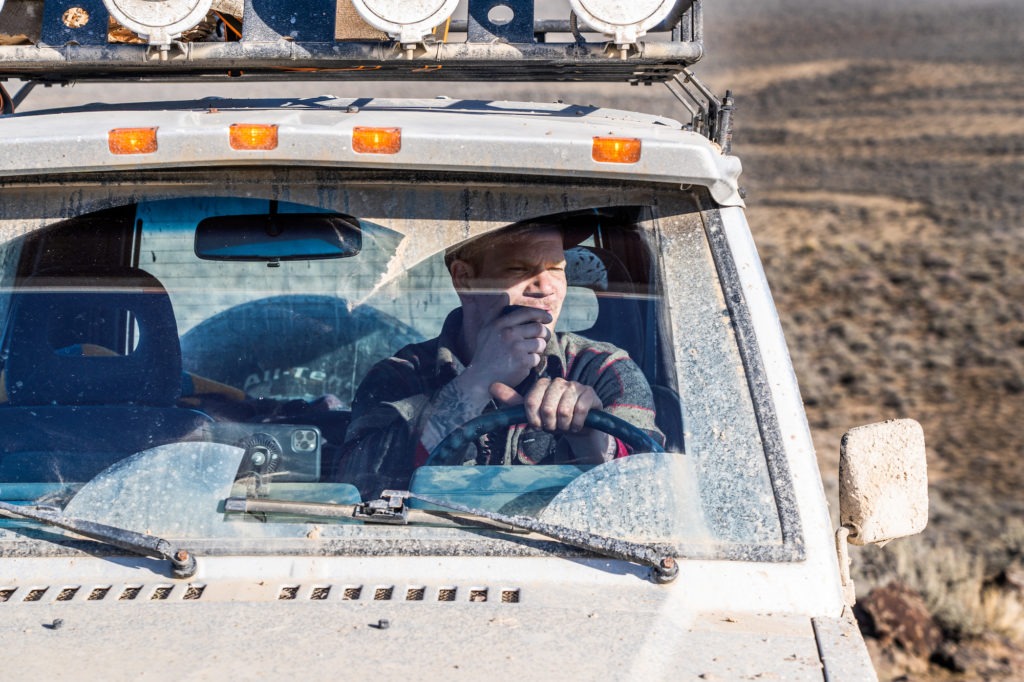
{"type": "Point", "coordinates": [448, 450]}
{"type": "Point", "coordinates": [562, 406]}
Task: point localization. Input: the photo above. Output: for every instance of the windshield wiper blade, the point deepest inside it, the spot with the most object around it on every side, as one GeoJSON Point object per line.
{"type": "Point", "coordinates": [391, 509]}
{"type": "Point", "coordinates": [376, 511]}
{"type": "Point", "coordinates": [182, 562]}
{"type": "Point", "coordinates": [658, 558]}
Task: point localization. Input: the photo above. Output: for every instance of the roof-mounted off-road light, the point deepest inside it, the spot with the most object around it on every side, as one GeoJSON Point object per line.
{"type": "Point", "coordinates": [626, 21]}
{"type": "Point", "coordinates": [406, 21]}
{"type": "Point", "coordinates": [158, 21]}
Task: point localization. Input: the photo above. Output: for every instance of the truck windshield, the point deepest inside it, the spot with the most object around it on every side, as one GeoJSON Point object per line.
{"type": "Point", "coordinates": [167, 348]}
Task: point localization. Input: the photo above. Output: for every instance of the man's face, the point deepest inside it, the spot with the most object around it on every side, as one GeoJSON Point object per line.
{"type": "Point", "coordinates": [527, 268]}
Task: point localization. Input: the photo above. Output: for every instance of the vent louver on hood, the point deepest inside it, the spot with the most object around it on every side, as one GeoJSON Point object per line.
{"type": "Point", "coordinates": [282, 592]}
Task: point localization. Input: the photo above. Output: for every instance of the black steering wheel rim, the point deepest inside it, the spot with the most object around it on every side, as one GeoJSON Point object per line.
{"type": "Point", "coordinates": [490, 421]}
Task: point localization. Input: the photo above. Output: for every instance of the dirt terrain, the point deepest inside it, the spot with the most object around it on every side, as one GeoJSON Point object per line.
{"type": "Point", "coordinates": [883, 149]}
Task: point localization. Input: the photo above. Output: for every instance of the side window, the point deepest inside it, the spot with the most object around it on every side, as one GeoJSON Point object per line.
{"type": "Point", "coordinates": [102, 239]}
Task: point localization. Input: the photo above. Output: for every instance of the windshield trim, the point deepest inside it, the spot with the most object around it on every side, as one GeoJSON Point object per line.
{"type": "Point", "coordinates": [391, 541]}
{"type": "Point", "coordinates": [792, 547]}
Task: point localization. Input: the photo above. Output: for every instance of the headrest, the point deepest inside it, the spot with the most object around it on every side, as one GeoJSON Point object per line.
{"type": "Point", "coordinates": [584, 268]}
{"type": "Point", "coordinates": [68, 331]}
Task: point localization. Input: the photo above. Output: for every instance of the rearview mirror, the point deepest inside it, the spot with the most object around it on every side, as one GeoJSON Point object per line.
{"type": "Point", "coordinates": [278, 236]}
{"type": "Point", "coordinates": [883, 482]}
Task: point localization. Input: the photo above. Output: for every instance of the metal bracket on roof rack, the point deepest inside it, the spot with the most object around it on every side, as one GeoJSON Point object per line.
{"type": "Point", "coordinates": [510, 21]}
{"type": "Point", "coordinates": [8, 103]}
{"type": "Point", "coordinates": [710, 116]}
{"type": "Point", "coordinates": [84, 22]}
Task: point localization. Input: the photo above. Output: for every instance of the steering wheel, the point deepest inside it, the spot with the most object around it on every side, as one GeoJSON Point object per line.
{"type": "Point", "coordinates": [447, 450]}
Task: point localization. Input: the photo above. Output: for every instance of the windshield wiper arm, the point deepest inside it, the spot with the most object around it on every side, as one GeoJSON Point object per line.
{"type": "Point", "coordinates": [391, 509]}
{"type": "Point", "coordinates": [377, 511]}
{"type": "Point", "coordinates": [182, 561]}
{"type": "Point", "coordinates": [664, 565]}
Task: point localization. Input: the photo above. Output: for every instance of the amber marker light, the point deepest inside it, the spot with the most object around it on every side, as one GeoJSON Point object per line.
{"type": "Point", "coordinates": [253, 136]}
{"type": "Point", "coordinates": [132, 140]}
{"type": "Point", "coordinates": [376, 140]}
{"type": "Point", "coordinates": [616, 150]}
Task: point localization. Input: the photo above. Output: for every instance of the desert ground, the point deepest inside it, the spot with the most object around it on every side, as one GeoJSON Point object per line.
{"type": "Point", "coordinates": [883, 151]}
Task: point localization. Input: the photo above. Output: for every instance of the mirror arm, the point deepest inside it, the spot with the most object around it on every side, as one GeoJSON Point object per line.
{"type": "Point", "coordinates": [843, 553]}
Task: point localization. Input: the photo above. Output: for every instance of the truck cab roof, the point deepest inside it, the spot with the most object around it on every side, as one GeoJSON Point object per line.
{"type": "Point", "coordinates": [437, 134]}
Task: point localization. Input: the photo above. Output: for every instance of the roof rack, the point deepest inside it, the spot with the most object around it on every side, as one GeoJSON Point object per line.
{"type": "Point", "coordinates": [598, 41]}
{"type": "Point", "coordinates": [62, 41]}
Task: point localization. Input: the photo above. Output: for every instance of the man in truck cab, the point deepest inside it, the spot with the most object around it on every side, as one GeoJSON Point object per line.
{"type": "Point", "coordinates": [498, 349]}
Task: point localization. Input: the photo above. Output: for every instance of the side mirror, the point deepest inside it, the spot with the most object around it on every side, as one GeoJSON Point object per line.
{"type": "Point", "coordinates": [883, 482]}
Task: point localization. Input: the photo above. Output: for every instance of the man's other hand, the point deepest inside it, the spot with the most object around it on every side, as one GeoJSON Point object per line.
{"type": "Point", "coordinates": [510, 345]}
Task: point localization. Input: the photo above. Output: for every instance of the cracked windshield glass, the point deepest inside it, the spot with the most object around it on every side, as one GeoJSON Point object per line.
{"type": "Point", "coordinates": [165, 349]}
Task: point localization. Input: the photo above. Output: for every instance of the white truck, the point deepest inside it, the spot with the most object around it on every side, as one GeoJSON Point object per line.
{"type": "Point", "coordinates": [191, 293]}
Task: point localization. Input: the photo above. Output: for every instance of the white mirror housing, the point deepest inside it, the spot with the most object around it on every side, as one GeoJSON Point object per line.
{"type": "Point", "coordinates": [883, 481]}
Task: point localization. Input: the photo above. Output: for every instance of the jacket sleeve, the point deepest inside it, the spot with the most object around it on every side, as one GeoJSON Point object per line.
{"type": "Point", "coordinates": [621, 386]}
{"type": "Point", "coordinates": [381, 441]}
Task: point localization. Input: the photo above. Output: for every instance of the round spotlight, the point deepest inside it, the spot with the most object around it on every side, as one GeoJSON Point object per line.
{"type": "Point", "coordinates": [405, 21]}
{"type": "Point", "coordinates": [159, 21]}
{"type": "Point", "coordinates": [626, 21]}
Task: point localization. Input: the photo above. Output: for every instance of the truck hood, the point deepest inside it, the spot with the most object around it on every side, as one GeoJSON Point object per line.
{"type": "Point", "coordinates": [326, 639]}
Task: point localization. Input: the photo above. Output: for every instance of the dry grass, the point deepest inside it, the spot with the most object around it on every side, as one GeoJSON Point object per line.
{"type": "Point", "coordinates": [966, 592]}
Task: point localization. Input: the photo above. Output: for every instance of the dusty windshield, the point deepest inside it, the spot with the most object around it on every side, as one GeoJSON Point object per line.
{"type": "Point", "coordinates": [165, 349]}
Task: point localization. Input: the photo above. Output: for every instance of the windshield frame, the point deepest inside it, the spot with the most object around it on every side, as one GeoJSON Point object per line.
{"type": "Point", "coordinates": [792, 545]}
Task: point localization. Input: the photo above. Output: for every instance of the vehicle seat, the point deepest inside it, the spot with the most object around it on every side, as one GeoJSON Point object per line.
{"type": "Point", "coordinates": [619, 322]}
{"type": "Point", "coordinates": [54, 316]}
{"type": "Point", "coordinates": [75, 405]}
{"type": "Point", "coordinates": [618, 314]}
